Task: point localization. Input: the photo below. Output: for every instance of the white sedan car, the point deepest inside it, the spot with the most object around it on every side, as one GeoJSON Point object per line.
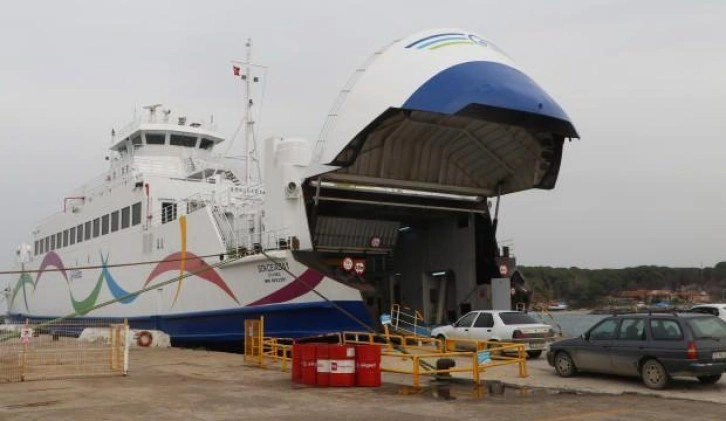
{"type": "Point", "coordinates": [715, 309]}
{"type": "Point", "coordinates": [500, 325]}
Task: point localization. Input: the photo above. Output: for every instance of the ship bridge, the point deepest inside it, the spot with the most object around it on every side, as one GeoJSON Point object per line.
{"type": "Point", "coordinates": [407, 173]}
{"type": "Point", "coordinates": [175, 147]}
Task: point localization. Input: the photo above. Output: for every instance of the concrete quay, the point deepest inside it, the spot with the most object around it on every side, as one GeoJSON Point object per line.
{"type": "Point", "coordinates": [200, 385]}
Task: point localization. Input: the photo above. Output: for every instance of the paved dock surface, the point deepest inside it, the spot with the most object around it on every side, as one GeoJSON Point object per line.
{"type": "Point", "coordinates": [542, 375]}
{"type": "Point", "coordinates": [199, 385]}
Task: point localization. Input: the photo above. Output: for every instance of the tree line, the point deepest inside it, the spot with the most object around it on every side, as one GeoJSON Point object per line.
{"type": "Point", "coordinates": [591, 287]}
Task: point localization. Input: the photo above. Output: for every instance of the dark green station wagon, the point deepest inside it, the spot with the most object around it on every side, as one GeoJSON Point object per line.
{"type": "Point", "coordinates": [654, 347]}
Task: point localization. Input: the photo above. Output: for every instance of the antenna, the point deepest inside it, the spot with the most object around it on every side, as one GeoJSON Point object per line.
{"type": "Point", "coordinates": [243, 70]}
{"type": "Point", "coordinates": [152, 112]}
{"type": "Point", "coordinates": [250, 146]}
{"type": "Point", "coordinates": [249, 123]}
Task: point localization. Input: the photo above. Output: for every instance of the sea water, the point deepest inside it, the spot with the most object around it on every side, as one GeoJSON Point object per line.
{"type": "Point", "coordinates": [569, 323]}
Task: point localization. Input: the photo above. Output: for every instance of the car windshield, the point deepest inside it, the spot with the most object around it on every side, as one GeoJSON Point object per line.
{"type": "Point", "coordinates": [707, 327]}
{"type": "Point", "coordinates": [517, 318]}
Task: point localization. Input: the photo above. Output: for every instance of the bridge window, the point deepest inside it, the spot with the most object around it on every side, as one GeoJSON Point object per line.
{"type": "Point", "coordinates": [186, 141]}
{"type": "Point", "coordinates": [58, 238]}
{"type": "Point", "coordinates": [104, 224]}
{"type": "Point", "coordinates": [136, 213]}
{"type": "Point", "coordinates": [36, 248]}
{"type": "Point", "coordinates": [114, 221]}
{"type": "Point", "coordinates": [155, 139]}
{"type": "Point", "coordinates": [52, 242]}
{"type": "Point", "coordinates": [125, 217]}
{"type": "Point", "coordinates": [65, 238]}
{"type": "Point", "coordinates": [96, 227]}
{"type": "Point", "coordinates": [87, 231]}
{"type": "Point", "coordinates": [73, 235]}
{"type": "Point", "coordinates": [79, 233]}
{"type": "Point", "coordinates": [136, 140]}
{"type": "Point", "coordinates": [168, 212]}
{"type": "Point", "coordinates": [206, 144]}
{"type": "Point", "coordinates": [47, 244]}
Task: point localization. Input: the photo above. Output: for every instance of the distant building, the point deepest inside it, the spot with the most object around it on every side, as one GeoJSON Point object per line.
{"type": "Point", "coordinates": [657, 295]}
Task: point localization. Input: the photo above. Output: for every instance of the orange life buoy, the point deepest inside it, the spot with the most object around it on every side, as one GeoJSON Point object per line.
{"type": "Point", "coordinates": [143, 339]}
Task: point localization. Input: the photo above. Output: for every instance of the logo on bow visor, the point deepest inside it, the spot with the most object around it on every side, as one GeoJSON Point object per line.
{"type": "Point", "coordinates": [433, 42]}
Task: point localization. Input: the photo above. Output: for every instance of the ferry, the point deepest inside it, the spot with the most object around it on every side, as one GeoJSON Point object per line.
{"type": "Point", "coordinates": [395, 202]}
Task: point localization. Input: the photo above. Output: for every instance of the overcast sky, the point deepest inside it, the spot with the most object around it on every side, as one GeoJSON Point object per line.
{"type": "Point", "coordinates": [644, 83]}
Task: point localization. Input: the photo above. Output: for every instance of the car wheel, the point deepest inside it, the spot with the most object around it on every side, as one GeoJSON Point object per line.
{"type": "Point", "coordinates": [654, 374]}
{"type": "Point", "coordinates": [564, 366]}
{"type": "Point", "coordinates": [709, 379]}
{"type": "Point", "coordinates": [534, 354]}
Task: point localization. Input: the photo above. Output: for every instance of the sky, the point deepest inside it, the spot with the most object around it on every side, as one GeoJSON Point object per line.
{"type": "Point", "coordinates": [644, 83]}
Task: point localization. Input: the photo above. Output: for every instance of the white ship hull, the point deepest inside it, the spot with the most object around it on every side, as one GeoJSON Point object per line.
{"type": "Point", "coordinates": [208, 307]}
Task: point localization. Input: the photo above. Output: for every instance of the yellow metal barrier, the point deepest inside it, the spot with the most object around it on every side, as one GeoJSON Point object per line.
{"type": "Point", "coordinates": [415, 349]}
{"type": "Point", "coordinates": [475, 368]}
{"type": "Point", "coordinates": [259, 348]}
{"type": "Point", "coordinates": [390, 341]}
{"type": "Point", "coordinates": [254, 335]}
{"type": "Point", "coordinates": [277, 350]}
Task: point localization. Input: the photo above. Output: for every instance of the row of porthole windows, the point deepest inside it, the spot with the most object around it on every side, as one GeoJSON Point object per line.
{"type": "Point", "coordinates": [111, 222]}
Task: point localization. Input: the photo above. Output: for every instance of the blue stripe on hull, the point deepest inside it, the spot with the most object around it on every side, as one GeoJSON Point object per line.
{"type": "Point", "coordinates": [225, 328]}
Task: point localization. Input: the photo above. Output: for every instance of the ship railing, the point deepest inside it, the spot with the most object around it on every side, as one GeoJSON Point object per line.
{"type": "Point", "coordinates": [232, 200]}
{"type": "Point", "coordinates": [160, 119]}
{"type": "Point", "coordinates": [254, 243]}
{"type": "Point", "coordinates": [225, 228]}
{"type": "Point", "coordinates": [85, 191]}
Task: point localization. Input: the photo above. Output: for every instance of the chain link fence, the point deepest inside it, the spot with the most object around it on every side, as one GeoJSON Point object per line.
{"type": "Point", "coordinates": [63, 348]}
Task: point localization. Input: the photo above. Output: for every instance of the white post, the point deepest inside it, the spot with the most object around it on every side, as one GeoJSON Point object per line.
{"type": "Point", "coordinates": [127, 343]}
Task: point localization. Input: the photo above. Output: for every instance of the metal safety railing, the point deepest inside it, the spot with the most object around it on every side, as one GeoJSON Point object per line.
{"type": "Point", "coordinates": [422, 353]}
{"type": "Point", "coordinates": [59, 349]}
{"type": "Point", "coordinates": [391, 341]}
{"type": "Point", "coordinates": [254, 336]}
{"type": "Point", "coordinates": [413, 355]}
{"type": "Point", "coordinates": [408, 320]}
{"type": "Point", "coordinates": [259, 348]}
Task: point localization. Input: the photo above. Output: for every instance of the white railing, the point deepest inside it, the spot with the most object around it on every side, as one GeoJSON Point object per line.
{"type": "Point", "coordinates": [225, 228]}
{"type": "Point", "coordinates": [266, 240]}
{"type": "Point", "coordinates": [160, 118]}
{"type": "Point", "coordinates": [243, 232]}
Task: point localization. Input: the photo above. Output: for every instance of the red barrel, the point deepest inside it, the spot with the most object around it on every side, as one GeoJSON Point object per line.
{"type": "Point", "coordinates": [308, 364]}
{"type": "Point", "coordinates": [297, 363]}
{"type": "Point", "coordinates": [322, 357]}
{"type": "Point", "coordinates": [342, 365]}
{"type": "Point", "coordinates": [368, 365]}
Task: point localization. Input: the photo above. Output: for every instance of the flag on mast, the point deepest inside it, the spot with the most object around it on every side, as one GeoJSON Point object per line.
{"type": "Point", "coordinates": [236, 70]}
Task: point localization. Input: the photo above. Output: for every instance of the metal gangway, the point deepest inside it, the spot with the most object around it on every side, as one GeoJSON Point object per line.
{"type": "Point", "coordinates": [407, 321]}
